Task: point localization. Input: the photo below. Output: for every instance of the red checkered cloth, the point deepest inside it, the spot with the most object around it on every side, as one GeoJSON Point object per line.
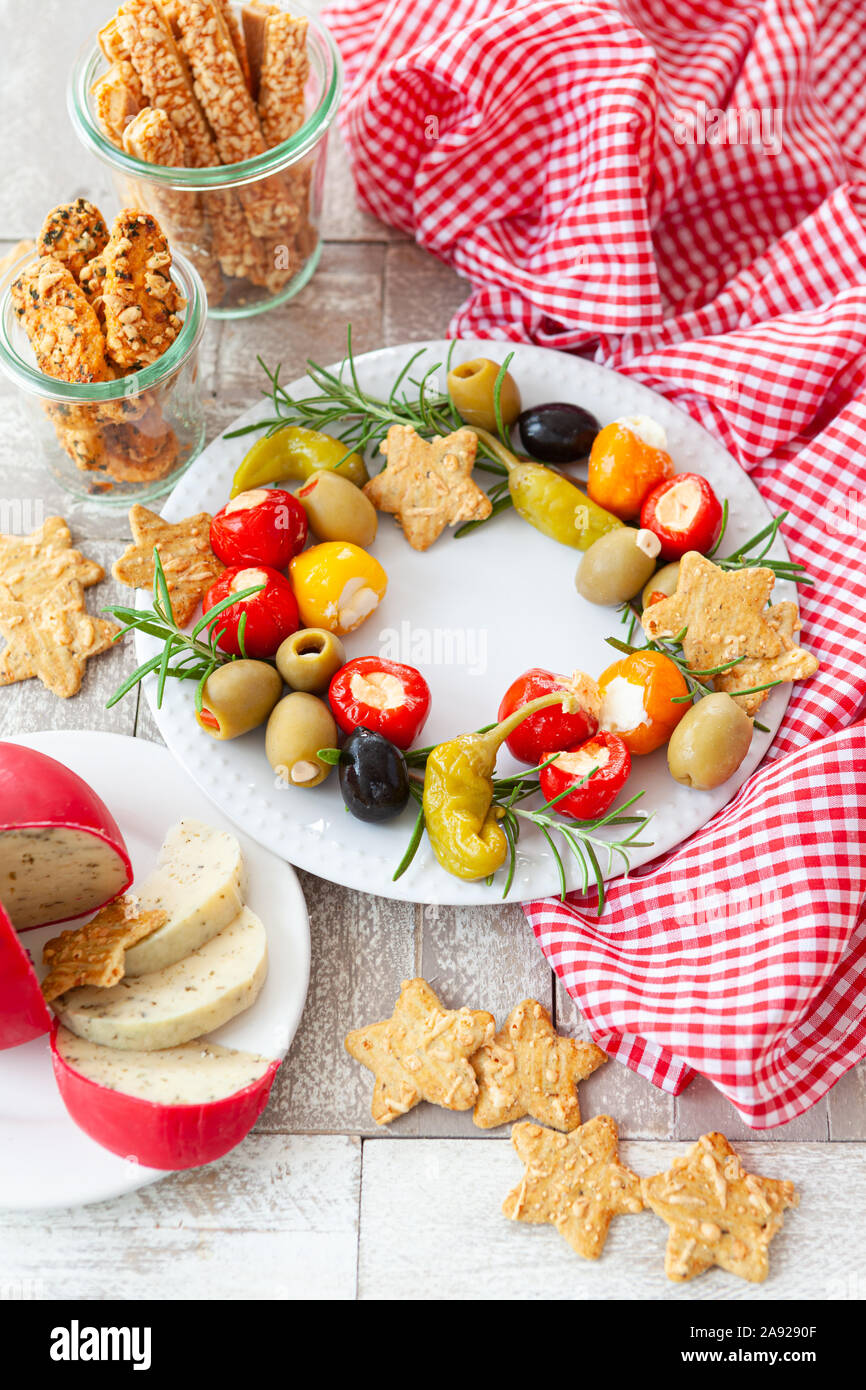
{"type": "Point", "coordinates": [677, 191]}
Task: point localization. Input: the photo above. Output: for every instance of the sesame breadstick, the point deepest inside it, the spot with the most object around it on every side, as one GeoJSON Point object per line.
{"type": "Point", "coordinates": [165, 77]}
{"type": "Point", "coordinates": [226, 101]}
{"type": "Point", "coordinates": [253, 17]}
{"type": "Point", "coordinates": [112, 42]}
{"type": "Point", "coordinates": [117, 96]}
{"type": "Point", "coordinates": [152, 138]}
{"type": "Point", "coordinates": [284, 72]}
{"type": "Point", "coordinates": [236, 35]}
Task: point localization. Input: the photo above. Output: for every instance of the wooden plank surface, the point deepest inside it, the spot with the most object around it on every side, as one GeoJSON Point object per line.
{"type": "Point", "coordinates": [431, 1226]}
{"type": "Point", "coordinates": [285, 1215]}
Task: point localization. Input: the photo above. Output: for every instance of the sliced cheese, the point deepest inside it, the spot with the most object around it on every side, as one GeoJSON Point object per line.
{"type": "Point", "coordinates": [52, 873]}
{"type": "Point", "coordinates": [199, 882]}
{"type": "Point", "coordinates": [194, 1074]}
{"type": "Point", "coordinates": [181, 1002]}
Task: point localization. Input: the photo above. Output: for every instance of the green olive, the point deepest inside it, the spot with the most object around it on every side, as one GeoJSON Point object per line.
{"type": "Point", "coordinates": [617, 565]}
{"type": "Point", "coordinates": [709, 743]}
{"type": "Point", "coordinates": [239, 696]}
{"type": "Point", "coordinates": [471, 386]}
{"type": "Point", "coordinates": [308, 659]}
{"type": "Point", "coordinates": [298, 727]}
{"type": "Point", "coordinates": [664, 581]}
{"type": "Point", "coordinates": [337, 510]}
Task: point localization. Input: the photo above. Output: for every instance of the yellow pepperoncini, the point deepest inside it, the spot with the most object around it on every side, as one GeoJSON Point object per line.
{"type": "Point", "coordinates": [549, 501]}
{"type": "Point", "coordinates": [462, 822]}
{"type": "Point", "coordinates": [292, 454]}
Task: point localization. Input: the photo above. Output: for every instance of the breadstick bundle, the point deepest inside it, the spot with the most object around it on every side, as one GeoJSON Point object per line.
{"type": "Point", "coordinates": [96, 306]}
{"type": "Point", "coordinates": [193, 84]}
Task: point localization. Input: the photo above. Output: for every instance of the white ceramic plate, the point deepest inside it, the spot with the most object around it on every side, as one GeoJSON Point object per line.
{"type": "Point", "coordinates": [45, 1159]}
{"type": "Point", "coordinates": [472, 614]}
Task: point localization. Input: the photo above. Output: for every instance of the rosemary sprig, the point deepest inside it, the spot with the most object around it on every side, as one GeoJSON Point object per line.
{"type": "Point", "coordinates": [357, 418]}
{"type": "Point", "coordinates": [755, 551]}
{"type": "Point", "coordinates": [183, 656]}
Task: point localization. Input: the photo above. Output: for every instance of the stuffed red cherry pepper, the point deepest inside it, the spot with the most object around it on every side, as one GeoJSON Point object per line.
{"type": "Point", "coordinates": [552, 728]}
{"type": "Point", "coordinates": [684, 513]}
{"type": "Point", "coordinates": [606, 752]}
{"type": "Point", "coordinates": [384, 696]}
{"type": "Point", "coordinates": [271, 615]}
{"type": "Point", "coordinates": [265, 526]}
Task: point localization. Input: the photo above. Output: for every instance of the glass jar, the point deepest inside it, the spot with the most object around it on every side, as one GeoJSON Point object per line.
{"type": "Point", "coordinates": [200, 209]}
{"type": "Point", "coordinates": [122, 441]}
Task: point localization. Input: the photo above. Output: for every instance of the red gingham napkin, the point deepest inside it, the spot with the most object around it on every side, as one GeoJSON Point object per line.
{"type": "Point", "coordinates": [678, 192]}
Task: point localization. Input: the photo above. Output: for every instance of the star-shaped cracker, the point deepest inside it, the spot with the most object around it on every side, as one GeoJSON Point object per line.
{"type": "Point", "coordinates": [718, 1213]}
{"type": "Point", "coordinates": [722, 610]}
{"type": "Point", "coordinates": [527, 1069]}
{"type": "Point", "coordinates": [574, 1182]}
{"type": "Point", "coordinates": [184, 549]}
{"type": "Point", "coordinates": [428, 486]}
{"type": "Point", "coordinates": [95, 953]}
{"type": "Point", "coordinates": [51, 640]}
{"type": "Point", "coordinates": [421, 1053]}
{"type": "Point", "coordinates": [31, 566]}
{"type": "Point", "coordinates": [792, 663]}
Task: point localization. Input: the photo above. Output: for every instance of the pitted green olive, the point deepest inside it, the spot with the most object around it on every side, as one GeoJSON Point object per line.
{"type": "Point", "coordinates": [238, 697]}
{"type": "Point", "coordinates": [617, 565]}
{"type": "Point", "coordinates": [298, 727]}
{"type": "Point", "coordinates": [337, 510]}
{"type": "Point", "coordinates": [308, 659]}
{"type": "Point", "coordinates": [472, 386]}
{"type": "Point", "coordinates": [664, 581]}
{"type": "Point", "coordinates": [710, 742]}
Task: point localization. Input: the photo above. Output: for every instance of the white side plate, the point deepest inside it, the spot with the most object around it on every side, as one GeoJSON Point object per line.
{"type": "Point", "coordinates": [45, 1159]}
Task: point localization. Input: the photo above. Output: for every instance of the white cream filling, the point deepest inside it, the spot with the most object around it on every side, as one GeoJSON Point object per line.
{"type": "Point", "coordinates": [582, 761]}
{"type": "Point", "coordinates": [622, 708]}
{"type": "Point", "coordinates": [356, 602]}
{"type": "Point", "coordinates": [646, 429]}
{"type": "Point", "coordinates": [245, 501]}
{"type": "Point", "coordinates": [679, 506]}
{"type": "Point", "coordinates": [379, 690]}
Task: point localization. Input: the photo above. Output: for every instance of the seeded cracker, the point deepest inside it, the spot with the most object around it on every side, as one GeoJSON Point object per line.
{"type": "Point", "coordinates": [94, 954]}
{"type": "Point", "coordinates": [723, 612]}
{"type": "Point", "coordinates": [51, 640]}
{"type": "Point", "coordinates": [718, 1213]}
{"type": "Point", "coordinates": [63, 329]}
{"type": "Point", "coordinates": [141, 300]}
{"type": "Point", "coordinates": [144, 451]}
{"type": "Point", "coordinates": [574, 1182]}
{"type": "Point", "coordinates": [428, 486]}
{"type": "Point", "coordinates": [73, 233]}
{"type": "Point", "coordinates": [527, 1069]}
{"type": "Point", "coordinates": [421, 1053]}
{"type": "Point", "coordinates": [184, 550]}
{"type": "Point", "coordinates": [31, 566]}
{"type": "Point", "coordinates": [792, 663]}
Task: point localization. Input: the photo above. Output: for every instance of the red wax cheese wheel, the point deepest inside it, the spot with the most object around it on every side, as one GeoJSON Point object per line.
{"type": "Point", "coordinates": [23, 1012]}
{"type": "Point", "coordinates": [61, 852]}
{"type": "Point", "coordinates": [173, 1109]}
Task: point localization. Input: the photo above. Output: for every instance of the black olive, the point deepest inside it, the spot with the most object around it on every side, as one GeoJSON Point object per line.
{"type": "Point", "coordinates": [557, 432]}
{"type": "Point", "coordinates": [374, 778]}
